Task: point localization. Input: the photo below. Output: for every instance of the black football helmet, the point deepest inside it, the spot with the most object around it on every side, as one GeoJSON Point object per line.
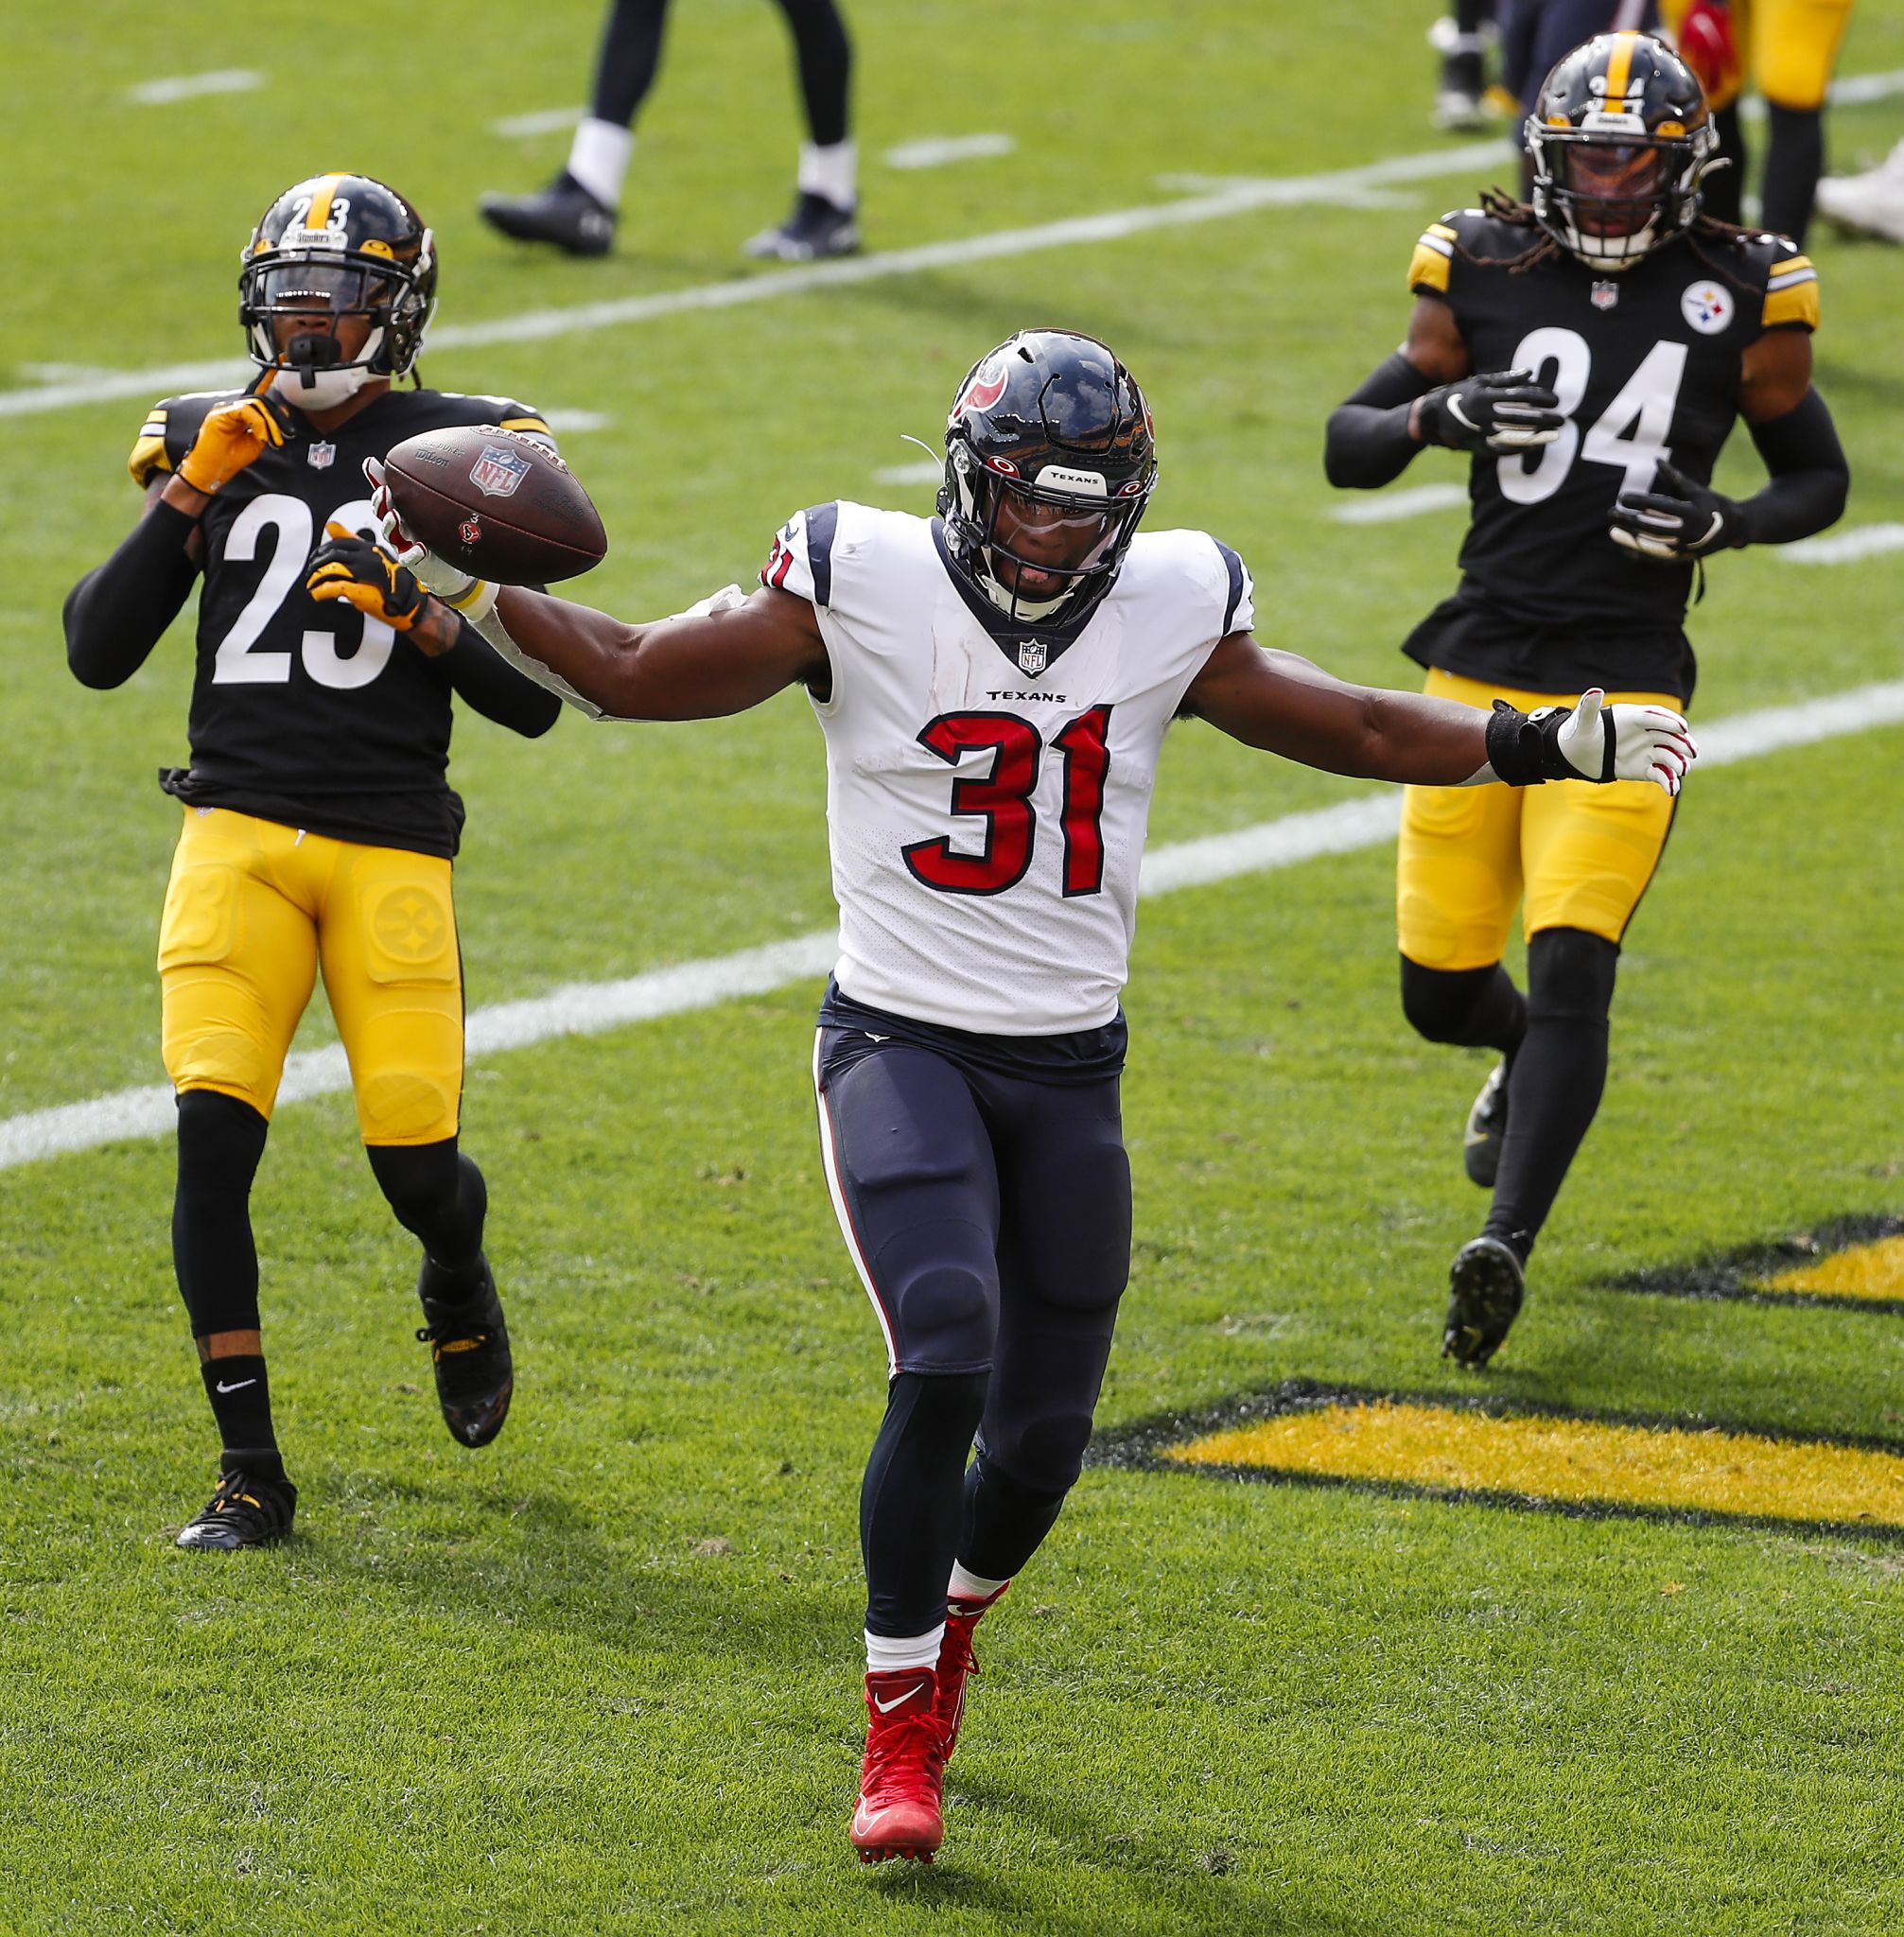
{"type": "Point", "coordinates": [1620, 137]}
{"type": "Point", "coordinates": [336, 246]}
{"type": "Point", "coordinates": [1050, 437]}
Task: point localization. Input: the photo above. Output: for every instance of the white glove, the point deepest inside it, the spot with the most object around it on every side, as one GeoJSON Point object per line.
{"type": "Point", "coordinates": [450, 582]}
{"type": "Point", "coordinates": [1640, 742]}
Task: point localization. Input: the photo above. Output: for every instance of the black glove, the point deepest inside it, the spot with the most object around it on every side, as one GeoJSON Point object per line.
{"type": "Point", "coordinates": [1678, 520]}
{"type": "Point", "coordinates": [1501, 411]}
{"type": "Point", "coordinates": [361, 574]}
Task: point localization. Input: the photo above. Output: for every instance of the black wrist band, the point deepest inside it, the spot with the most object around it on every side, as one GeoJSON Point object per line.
{"type": "Point", "coordinates": [1517, 748]}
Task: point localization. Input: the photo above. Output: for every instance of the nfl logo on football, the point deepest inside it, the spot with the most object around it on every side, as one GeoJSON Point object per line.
{"type": "Point", "coordinates": [498, 471]}
{"type": "Point", "coordinates": [1032, 656]}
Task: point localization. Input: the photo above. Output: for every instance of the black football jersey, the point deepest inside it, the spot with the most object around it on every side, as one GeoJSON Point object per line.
{"type": "Point", "coordinates": [313, 714]}
{"type": "Point", "coordinates": [1647, 367]}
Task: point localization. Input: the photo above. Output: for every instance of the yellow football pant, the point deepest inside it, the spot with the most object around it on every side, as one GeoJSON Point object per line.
{"type": "Point", "coordinates": [1788, 47]}
{"type": "Point", "coordinates": [254, 909]}
{"type": "Point", "coordinates": [1581, 854]}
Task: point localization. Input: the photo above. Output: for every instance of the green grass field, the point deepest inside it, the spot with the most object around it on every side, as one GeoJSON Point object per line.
{"type": "Point", "coordinates": [605, 1676]}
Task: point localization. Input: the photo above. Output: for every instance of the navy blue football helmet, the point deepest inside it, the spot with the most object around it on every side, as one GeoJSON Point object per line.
{"type": "Point", "coordinates": [1050, 460]}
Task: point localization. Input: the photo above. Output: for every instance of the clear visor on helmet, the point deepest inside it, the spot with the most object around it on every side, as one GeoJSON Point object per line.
{"type": "Point", "coordinates": [1041, 543]}
{"type": "Point", "coordinates": [318, 288]}
{"type": "Point", "coordinates": [1612, 187]}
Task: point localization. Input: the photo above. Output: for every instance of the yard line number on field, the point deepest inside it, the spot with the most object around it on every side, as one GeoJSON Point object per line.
{"type": "Point", "coordinates": [588, 1008]}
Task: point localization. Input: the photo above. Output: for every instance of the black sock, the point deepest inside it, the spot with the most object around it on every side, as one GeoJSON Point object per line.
{"type": "Point", "coordinates": [440, 1198]}
{"type": "Point", "coordinates": [911, 1499]}
{"type": "Point", "coordinates": [631, 53]}
{"type": "Point", "coordinates": [241, 1402]}
{"type": "Point", "coordinates": [1474, 1008]}
{"type": "Point", "coordinates": [1004, 1521]}
{"type": "Point", "coordinates": [1794, 159]}
{"type": "Point", "coordinates": [220, 1140]}
{"type": "Point", "coordinates": [824, 59]}
{"type": "Point", "coordinates": [1557, 1075]}
{"type": "Point", "coordinates": [1722, 192]}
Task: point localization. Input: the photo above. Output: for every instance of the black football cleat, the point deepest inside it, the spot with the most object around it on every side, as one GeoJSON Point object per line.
{"type": "Point", "coordinates": [1487, 1125]}
{"type": "Point", "coordinates": [245, 1512]}
{"type": "Point", "coordinates": [564, 214]}
{"type": "Point", "coordinates": [469, 1344]}
{"type": "Point", "coordinates": [1486, 1285]}
{"type": "Point", "coordinates": [817, 228]}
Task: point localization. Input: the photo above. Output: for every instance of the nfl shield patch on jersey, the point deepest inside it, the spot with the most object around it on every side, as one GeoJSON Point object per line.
{"type": "Point", "coordinates": [1033, 654]}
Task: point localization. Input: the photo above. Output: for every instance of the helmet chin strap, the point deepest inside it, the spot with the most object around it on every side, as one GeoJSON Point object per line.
{"type": "Point", "coordinates": [311, 379]}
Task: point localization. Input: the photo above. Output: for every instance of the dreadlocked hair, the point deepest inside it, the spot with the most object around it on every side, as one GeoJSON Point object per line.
{"type": "Point", "coordinates": [1506, 208]}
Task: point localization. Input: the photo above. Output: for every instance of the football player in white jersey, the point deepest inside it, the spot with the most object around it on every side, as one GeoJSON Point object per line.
{"type": "Point", "coordinates": [994, 685]}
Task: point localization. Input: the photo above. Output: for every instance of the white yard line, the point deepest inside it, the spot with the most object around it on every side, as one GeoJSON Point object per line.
{"type": "Point", "coordinates": [537, 325]}
{"type": "Point", "coordinates": [1388, 506]}
{"type": "Point", "coordinates": [588, 1008]}
{"type": "Point", "coordinates": [935, 152]}
{"type": "Point", "coordinates": [186, 87]}
{"type": "Point", "coordinates": [545, 121]}
{"type": "Point", "coordinates": [1845, 547]}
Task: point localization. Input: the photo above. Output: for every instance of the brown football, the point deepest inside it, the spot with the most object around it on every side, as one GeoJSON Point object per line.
{"type": "Point", "coordinates": [497, 503]}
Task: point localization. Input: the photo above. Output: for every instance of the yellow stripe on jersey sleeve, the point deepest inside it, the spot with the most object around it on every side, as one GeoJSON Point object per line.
{"type": "Point", "coordinates": [531, 426]}
{"type": "Point", "coordinates": [1791, 294]}
{"type": "Point", "coordinates": [1430, 267]}
{"type": "Point", "coordinates": [148, 456]}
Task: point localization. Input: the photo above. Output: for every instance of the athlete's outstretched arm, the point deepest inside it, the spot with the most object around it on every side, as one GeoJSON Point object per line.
{"type": "Point", "coordinates": [693, 667]}
{"type": "Point", "coordinates": [696, 666]}
{"type": "Point", "coordinates": [1283, 703]}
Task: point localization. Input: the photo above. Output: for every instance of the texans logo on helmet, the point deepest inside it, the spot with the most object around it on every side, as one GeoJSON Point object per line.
{"type": "Point", "coordinates": [984, 391]}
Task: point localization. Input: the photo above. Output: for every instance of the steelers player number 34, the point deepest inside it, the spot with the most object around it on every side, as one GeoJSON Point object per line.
{"type": "Point", "coordinates": [1631, 433]}
{"type": "Point", "coordinates": [291, 533]}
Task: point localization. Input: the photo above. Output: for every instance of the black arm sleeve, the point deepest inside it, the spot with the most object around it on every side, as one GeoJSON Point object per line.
{"type": "Point", "coordinates": [1368, 444]}
{"type": "Point", "coordinates": [119, 611]}
{"type": "Point", "coordinates": [1809, 476]}
{"type": "Point", "coordinates": [481, 677]}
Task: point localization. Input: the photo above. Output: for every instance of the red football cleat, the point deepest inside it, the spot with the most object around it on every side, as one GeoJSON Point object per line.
{"type": "Point", "coordinates": [956, 1659]}
{"type": "Point", "coordinates": [900, 1781]}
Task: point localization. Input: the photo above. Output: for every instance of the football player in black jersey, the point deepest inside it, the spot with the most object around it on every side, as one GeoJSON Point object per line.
{"type": "Point", "coordinates": [318, 826]}
{"type": "Point", "coordinates": [1590, 352]}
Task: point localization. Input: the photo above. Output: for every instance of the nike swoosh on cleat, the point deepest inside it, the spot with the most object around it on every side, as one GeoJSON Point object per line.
{"type": "Point", "coordinates": [887, 1707]}
{"type": "Point", "coordinates": [238, 1387]}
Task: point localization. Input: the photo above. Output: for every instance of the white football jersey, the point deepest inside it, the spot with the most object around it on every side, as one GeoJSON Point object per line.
{"type": "Point", "coordinates": [986, 802]}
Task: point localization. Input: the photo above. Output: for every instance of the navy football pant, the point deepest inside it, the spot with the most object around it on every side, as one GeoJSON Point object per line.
{"type": "Point", "coordinates": [989, 1218]}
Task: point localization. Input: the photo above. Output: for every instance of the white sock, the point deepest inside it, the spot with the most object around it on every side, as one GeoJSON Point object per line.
{"type": "Point", "coordinates": [885, 1652]}
{"type": "Point", "coordinates": [598, 158]}
{"type": "Point", "coordinates": [830, 171]}
{"type": "Point", "coordinates": [967, 1586]}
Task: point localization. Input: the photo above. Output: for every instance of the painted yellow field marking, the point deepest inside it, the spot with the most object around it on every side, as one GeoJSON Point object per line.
{"type": "Point", "coordinates": [1572, 1461]}
{"type": "Point", "coordinates": [1872, 1270]}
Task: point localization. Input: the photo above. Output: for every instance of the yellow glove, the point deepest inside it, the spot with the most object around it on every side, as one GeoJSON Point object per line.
{"type": "Point", "coordinates": [366, 576]}
{"type": "Point", "coordinates": [233, 436]}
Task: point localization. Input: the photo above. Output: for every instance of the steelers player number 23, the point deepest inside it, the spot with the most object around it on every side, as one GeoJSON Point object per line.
{"type": "Point", "coordinates": [1001, 798]}
{"type": "Point", "coordinates": [288, 521]}
{"type": "Point", "coordinates": [1631, 433]}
